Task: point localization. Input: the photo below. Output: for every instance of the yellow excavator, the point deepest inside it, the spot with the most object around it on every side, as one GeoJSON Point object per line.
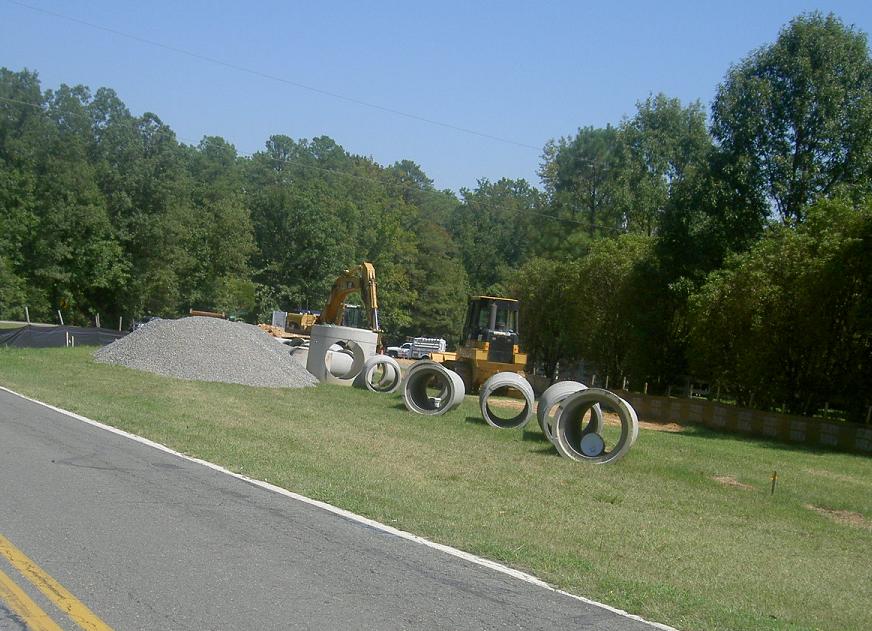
{"type": "Point", "coordinates": [359, 279]}
{"type": "Point", "coordinates": [489, 343]}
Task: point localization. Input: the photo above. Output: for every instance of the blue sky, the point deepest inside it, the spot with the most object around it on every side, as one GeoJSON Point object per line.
{"type": "Point", "coordinates": [524, 72]}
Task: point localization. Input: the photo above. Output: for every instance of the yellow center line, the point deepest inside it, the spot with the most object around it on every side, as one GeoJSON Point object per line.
{"type": "Point", "coordinates": [34, 618]}
{"type": "Point", "coordinates": [53, 590]}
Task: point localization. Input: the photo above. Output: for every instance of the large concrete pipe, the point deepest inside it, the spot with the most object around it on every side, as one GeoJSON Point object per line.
{"type": "Point", "coordinates": [430, 388]}
{"type": "Point", "coordinates": [380, 374]}
{"type": "Point", "coordinates": [499, 384]}
{"type": "Point", "coordinates": [550, 403]}
{"type": "Point", "coordinates": [331, 366]}
{"type": "Point", "coordinates": [576, 440]}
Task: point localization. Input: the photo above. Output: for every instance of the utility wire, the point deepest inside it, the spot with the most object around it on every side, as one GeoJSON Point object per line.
{"type": "Point", "coordinates": [275, 78]}
{"type": "Point", "coordinates": [372, 180]}
{"type": "Point", "coordinates": [36, 105]}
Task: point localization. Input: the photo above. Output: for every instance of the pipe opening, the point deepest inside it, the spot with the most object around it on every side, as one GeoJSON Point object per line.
{"type": "Point", "coordinates": [577, 435]}
{"type": "Point", "coordinates": [507, 407]}
{"type": "Point", "coordinates": [432, 389]}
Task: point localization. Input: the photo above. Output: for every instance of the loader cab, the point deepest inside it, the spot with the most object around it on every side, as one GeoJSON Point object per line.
{"type": "Point", "coordinates": [492, 323]}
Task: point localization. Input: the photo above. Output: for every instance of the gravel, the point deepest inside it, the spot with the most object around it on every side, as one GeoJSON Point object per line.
{"type": "Point", "coordinates": [208, 349]}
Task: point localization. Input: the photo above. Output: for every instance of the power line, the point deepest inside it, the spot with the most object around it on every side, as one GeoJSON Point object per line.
{"type": "Point", "coordinates": [275, 78]}
{"type": "Point", "coordinates": [36, 105]}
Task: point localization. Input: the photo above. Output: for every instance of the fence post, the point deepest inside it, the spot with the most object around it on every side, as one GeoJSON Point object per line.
{"type": "Point", "coordinates": [119, 323]}
{"type": "Point", "coordinates": [624, 385]}
{"type": "Point", "coordinates": [645, 389]}
{"type": "Point", "coordinates": [60, 317]}
{"type": "Point", "coordinates": [607, 382]}
{"type": "Point", "coordinates": [98, 320]}
{"type": "Point", "coordinates": [27, 314]}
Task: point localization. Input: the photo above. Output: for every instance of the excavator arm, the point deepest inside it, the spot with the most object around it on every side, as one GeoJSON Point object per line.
{"type": "Point", "coordinates": [360, 279]}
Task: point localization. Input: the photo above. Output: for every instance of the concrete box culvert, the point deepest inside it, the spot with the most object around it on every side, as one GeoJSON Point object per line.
{"type": "Point", "coordinates": [431, 389]}
{"type": "Point", "coordinates": [550, 403]}
{"type": "Point", "coordinates": [498, 384]}
{"type": "Point", "coordinates": [328, 362]}
{"type": "Point", "coordinates": [380, 374]}
{"type": "Point", "coordinates": [569, 431]}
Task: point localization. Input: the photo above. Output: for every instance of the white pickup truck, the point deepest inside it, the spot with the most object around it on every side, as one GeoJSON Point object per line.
{"type": "Point", "coordinates": [418, 348]}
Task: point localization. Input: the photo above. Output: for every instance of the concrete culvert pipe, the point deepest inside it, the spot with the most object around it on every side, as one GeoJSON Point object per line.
{"type": "Point", "coordinates": [380, 374]}
{"type": "Point", "coordinates": [551, 401]}
{"type": "Point", "coordinates": [500, 384]}
{"type": "Point", "coordinates": [576, 440]}
{"type": "Point", "coordinates": [430, 388]}
{"type": "Point", "coordinates": [347, 362]}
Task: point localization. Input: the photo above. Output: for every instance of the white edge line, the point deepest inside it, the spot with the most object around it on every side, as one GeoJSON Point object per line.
{"type": "Point", "coordinates": [499, 567]}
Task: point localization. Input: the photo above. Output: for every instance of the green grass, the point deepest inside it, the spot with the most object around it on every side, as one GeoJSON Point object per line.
{"type": "Point", "coordinates": [654, 534]}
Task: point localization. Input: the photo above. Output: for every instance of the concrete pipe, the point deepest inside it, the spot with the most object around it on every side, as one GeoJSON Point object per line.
{"type": "Point", "coordinates": [503, 381]}
{"type": "Point", "coordinates": [331, 365]}
{"type": "Point", "coordinates": [430, 388]}
{"type": "Point", "coordinates": [550, 404]}
{"type": "Point", "coordinates": [578, 441]}
{"type": "Point", "coordinates": [380, 374]}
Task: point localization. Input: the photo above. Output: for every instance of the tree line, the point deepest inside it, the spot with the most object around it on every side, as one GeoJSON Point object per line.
{"type": "Point", "coordinates": [731, 245]}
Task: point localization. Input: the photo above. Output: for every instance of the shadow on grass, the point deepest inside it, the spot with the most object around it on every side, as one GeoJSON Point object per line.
{"type": "Point", "coordinates": [538, 437]}
{"type": "Point", "coordinates": [700, 431]}
{"type": "Point", "coordinates": [476, 420]}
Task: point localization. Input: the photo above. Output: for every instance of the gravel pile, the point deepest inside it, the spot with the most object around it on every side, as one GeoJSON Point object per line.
{"type": "Point", "coordinates": [208, 349]}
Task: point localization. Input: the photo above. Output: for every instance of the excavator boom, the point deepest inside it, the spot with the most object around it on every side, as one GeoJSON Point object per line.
{"type": "Point", "coordinates": [360, 279]}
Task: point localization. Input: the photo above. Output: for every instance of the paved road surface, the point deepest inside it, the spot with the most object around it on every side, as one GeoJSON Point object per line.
{"type": "Point", "coordinates": [149, 540]}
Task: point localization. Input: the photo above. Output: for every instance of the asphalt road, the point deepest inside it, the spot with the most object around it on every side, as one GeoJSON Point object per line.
{"type": "Point", "coordinates": [149, 540]}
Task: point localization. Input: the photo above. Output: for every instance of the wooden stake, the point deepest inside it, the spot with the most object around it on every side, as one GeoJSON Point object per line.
{"type": "Point", "coordinates": [60, 317]}
{"type": "Point", "coordinates": [119, 323]}
{"type": "Point", "coordinates": [98, 320]}
{"type": "Point", "coordinates": [27, 314]}
{"type": "Point", "coordinates": [607, 382]}
{"type": "Point", "coordinates": [774, 479]}
{"type": "Point", "coordinates": [645, 389]}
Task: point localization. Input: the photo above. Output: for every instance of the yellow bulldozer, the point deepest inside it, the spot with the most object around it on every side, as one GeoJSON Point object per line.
{"type": "Point", "coordinates": [489, 342]}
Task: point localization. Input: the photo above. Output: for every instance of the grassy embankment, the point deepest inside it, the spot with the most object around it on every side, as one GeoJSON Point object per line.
{"type": "Point", "coordinates": [682, 531]}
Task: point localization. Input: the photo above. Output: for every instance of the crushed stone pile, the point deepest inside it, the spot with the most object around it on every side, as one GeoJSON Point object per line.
{"type": "Point", "coordinates": [208, 349]}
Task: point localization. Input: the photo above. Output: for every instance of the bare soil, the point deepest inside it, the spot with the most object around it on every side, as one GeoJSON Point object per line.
{"type": "Point", "coordinates": [842, 516]}
{"type": "Point", "coordinates": [728, 480]}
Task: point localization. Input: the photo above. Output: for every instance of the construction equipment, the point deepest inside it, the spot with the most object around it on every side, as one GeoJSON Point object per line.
{"type": "Point", "coordinates": [359, 279]}
{"type": "Point", "coordinates": [300, 322]}
{"type": "Point", "coordinates": [489, 343]}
